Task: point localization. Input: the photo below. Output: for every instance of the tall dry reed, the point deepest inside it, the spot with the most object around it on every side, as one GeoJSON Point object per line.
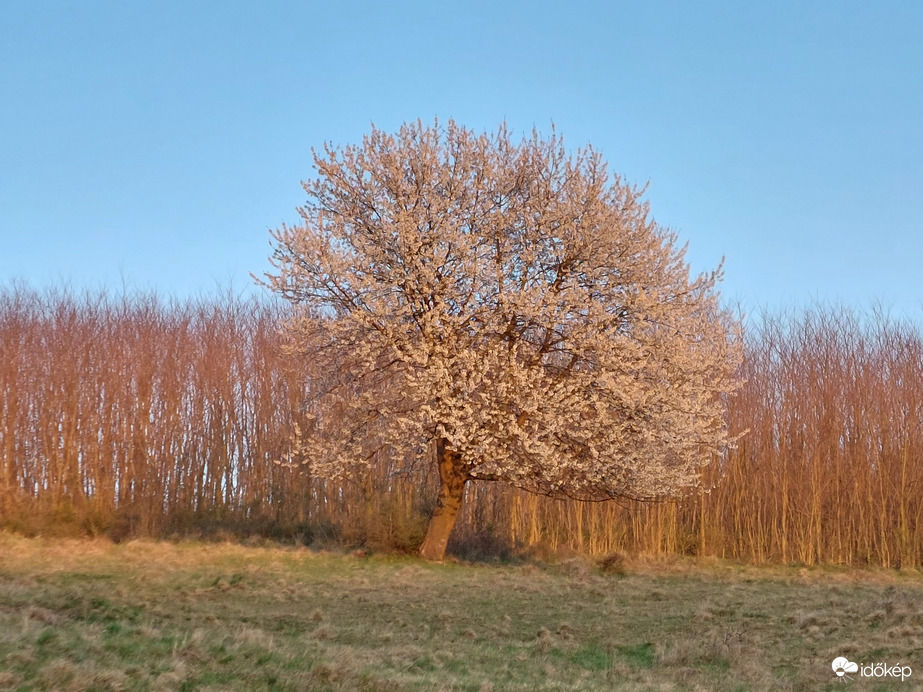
{"type": "Point", "coordinates": [132, 415]}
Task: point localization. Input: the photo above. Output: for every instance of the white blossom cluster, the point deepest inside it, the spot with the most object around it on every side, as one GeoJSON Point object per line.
{"type": "Point", "coordinates": [511, 300]}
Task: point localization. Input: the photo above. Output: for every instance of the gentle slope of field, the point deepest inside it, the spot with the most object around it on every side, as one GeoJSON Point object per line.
{"type": "Point", "coordinates": [83, 615]}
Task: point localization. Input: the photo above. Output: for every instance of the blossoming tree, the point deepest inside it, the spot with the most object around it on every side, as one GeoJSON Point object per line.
{"type": "Point", "coordinates": [506, 310]}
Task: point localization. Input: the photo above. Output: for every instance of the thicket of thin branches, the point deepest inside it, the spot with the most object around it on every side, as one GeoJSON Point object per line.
{"type": "Point", "coordinates": [130, 415]}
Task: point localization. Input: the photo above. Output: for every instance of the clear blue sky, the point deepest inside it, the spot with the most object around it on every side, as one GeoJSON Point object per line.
{"type": "Point", "coordinates": [155, 143]}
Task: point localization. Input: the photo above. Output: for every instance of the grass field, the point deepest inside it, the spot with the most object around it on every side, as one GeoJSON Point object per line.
{"type": "Point", "coordinates": [85, 615]}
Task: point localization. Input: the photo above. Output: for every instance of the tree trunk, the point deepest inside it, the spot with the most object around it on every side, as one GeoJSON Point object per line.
{"type": "Point", "coordinates": [451, 493]}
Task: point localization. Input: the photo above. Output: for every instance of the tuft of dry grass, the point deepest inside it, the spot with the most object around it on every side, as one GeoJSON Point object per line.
{"type": "Point", "coordinates": [144, 615]}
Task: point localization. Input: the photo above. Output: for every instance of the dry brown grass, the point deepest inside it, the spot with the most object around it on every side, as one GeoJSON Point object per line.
{"type": "Point", "coordinates": [145, 615]}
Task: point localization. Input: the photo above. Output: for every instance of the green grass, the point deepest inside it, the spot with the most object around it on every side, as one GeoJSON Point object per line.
{"type": "Point", "coordinates": [85, 615]}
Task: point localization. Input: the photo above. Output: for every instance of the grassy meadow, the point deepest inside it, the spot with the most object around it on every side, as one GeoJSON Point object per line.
{"type": "Point", "coordinates": [146, 615]}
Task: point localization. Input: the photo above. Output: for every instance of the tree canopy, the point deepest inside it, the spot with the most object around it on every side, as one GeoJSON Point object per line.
{"type": "Point", "coordinates": [506, 309]}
